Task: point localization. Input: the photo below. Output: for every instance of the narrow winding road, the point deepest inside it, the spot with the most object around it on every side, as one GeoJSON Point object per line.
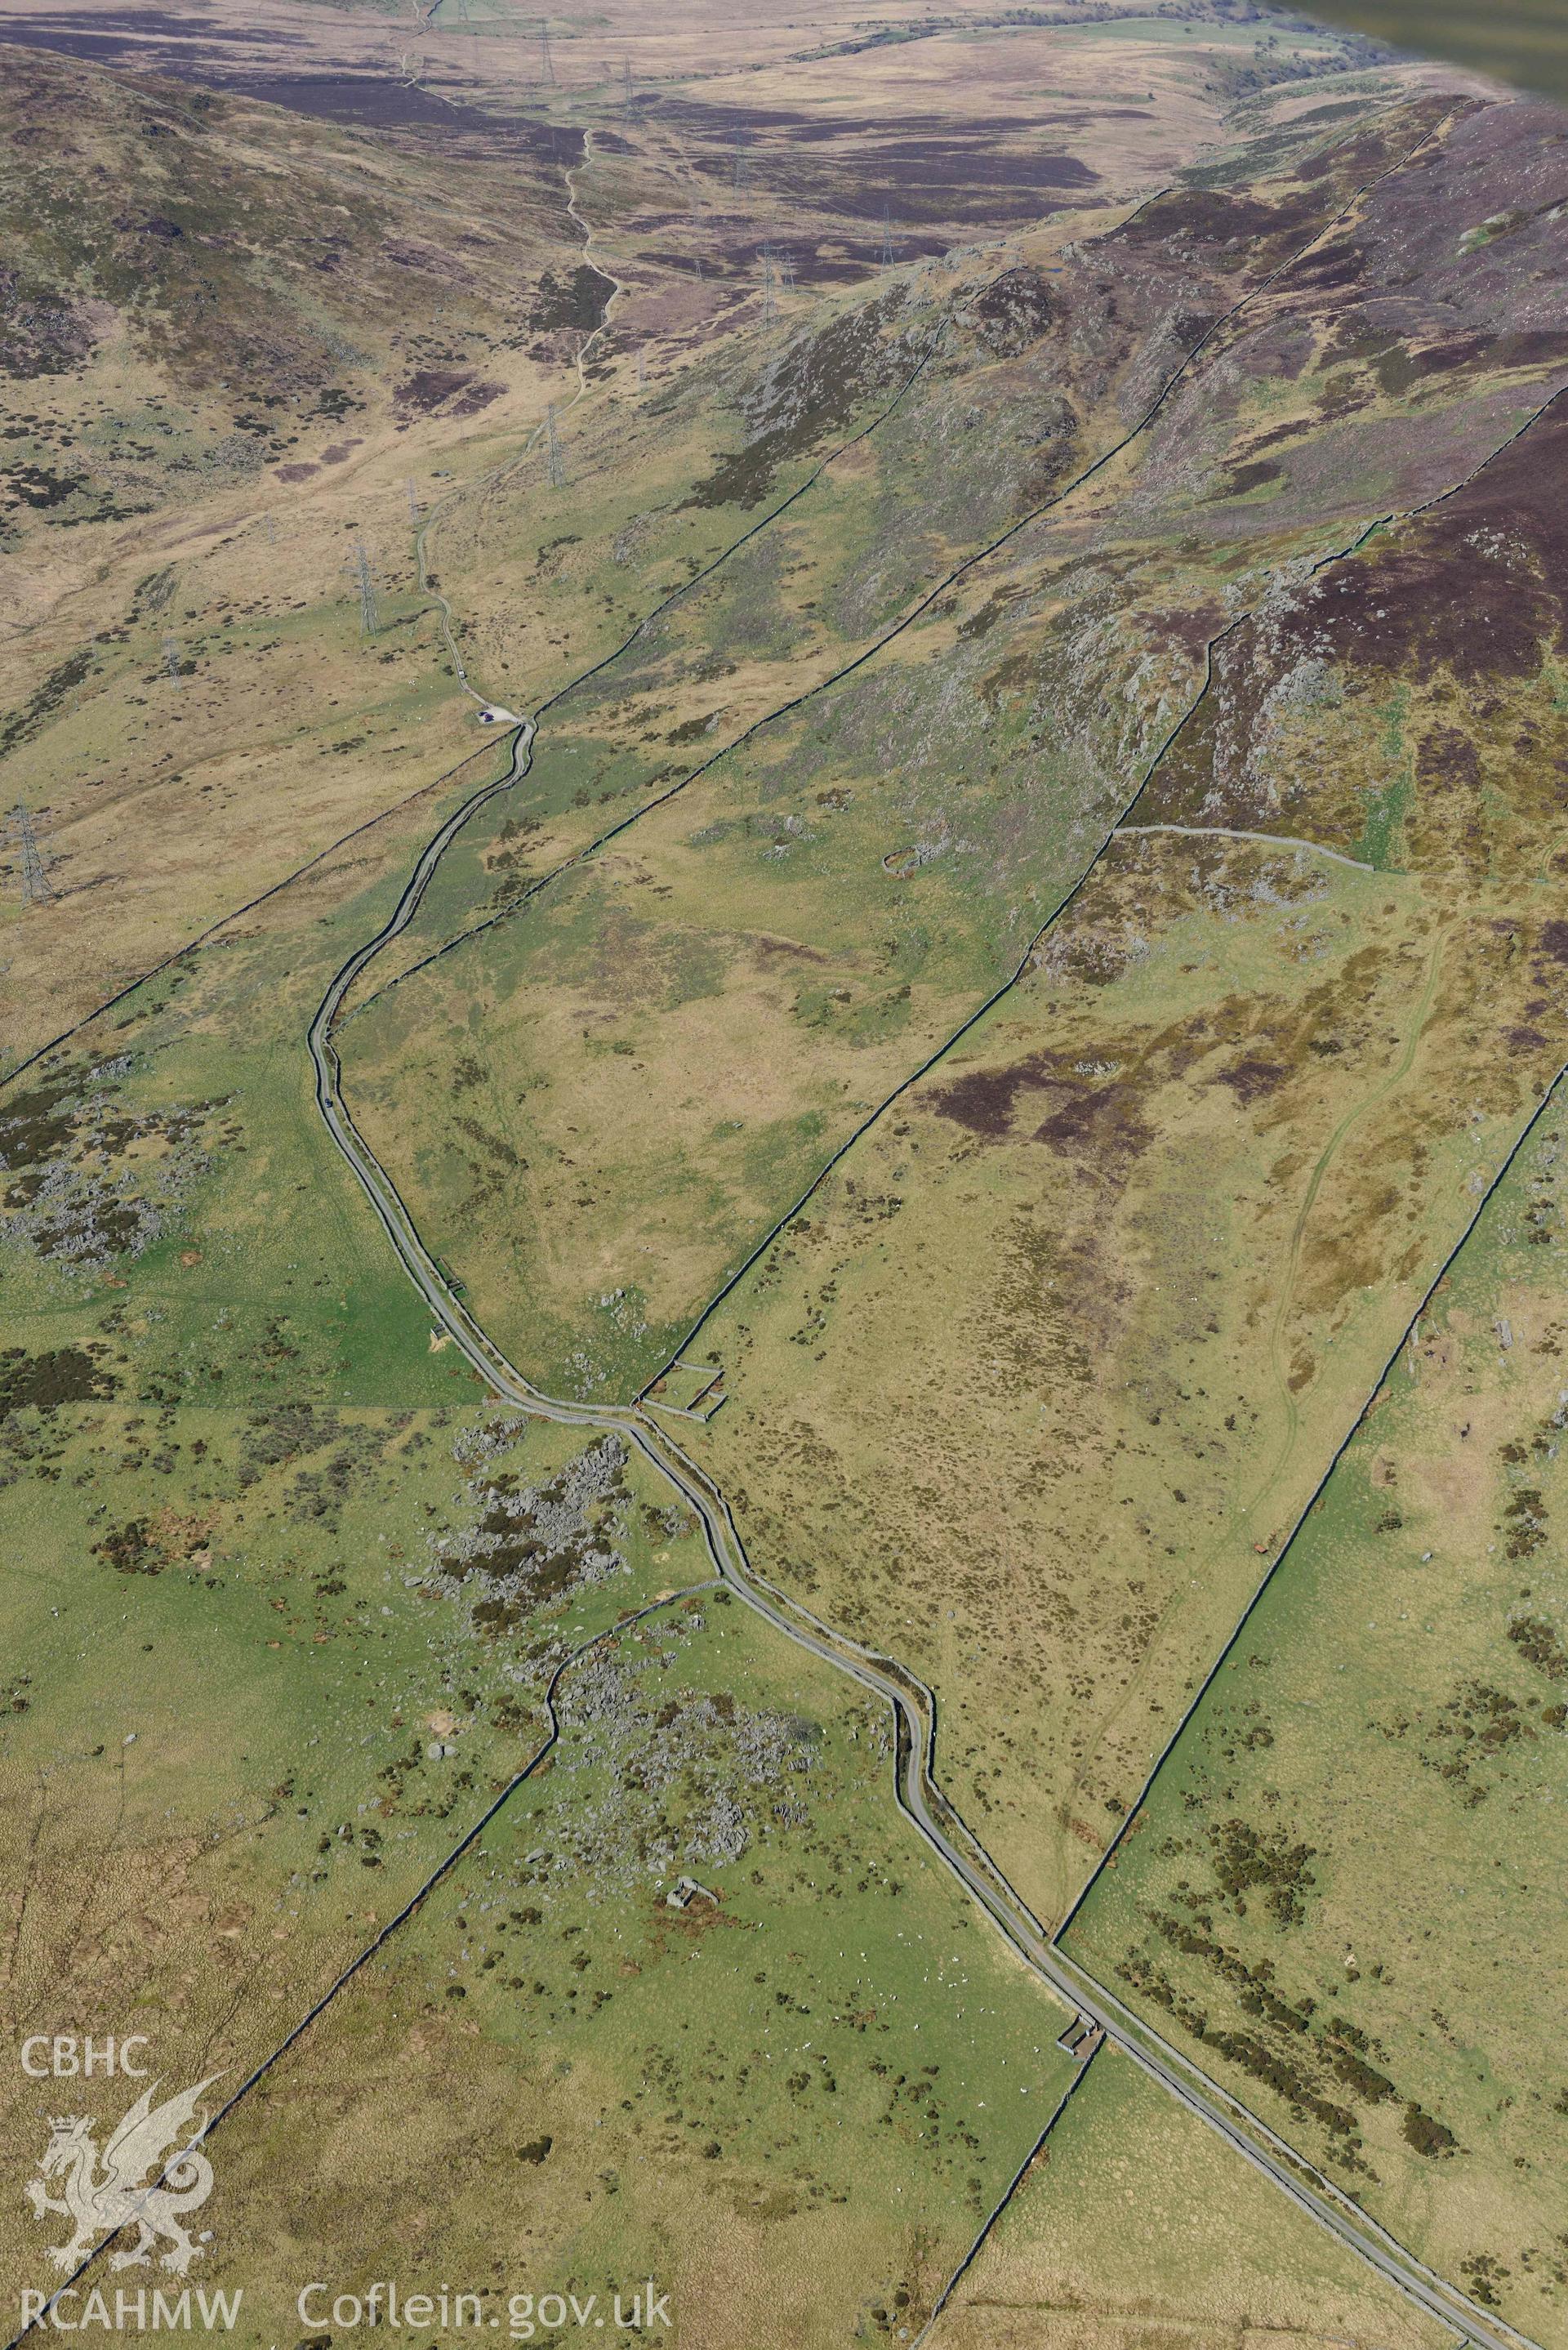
{"type": "Point", "coordinates": [948, 1839]}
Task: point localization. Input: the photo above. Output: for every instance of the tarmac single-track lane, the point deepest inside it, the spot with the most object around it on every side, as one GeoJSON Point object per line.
{"type": "Point", "coordinates": [917, 1792]}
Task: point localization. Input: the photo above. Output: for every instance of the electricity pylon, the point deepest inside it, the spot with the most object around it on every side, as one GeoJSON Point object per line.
{"type": "Point", "coordinates": [366, 587]}
{"type": "Point", "coordinates": [35, 889]}
{"type": "Point", "coordinates": [555, 464]}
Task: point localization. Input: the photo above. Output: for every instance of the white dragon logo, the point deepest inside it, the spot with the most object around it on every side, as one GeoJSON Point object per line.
{"type": "Point", "coordinates": [141, 2185]}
